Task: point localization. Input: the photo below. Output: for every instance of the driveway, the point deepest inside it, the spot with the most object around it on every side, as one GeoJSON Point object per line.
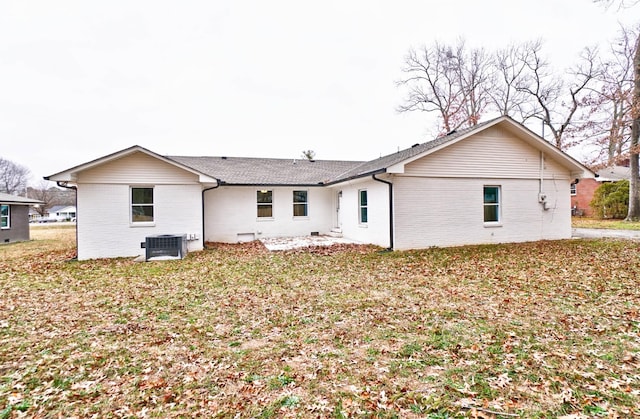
{"type": "Point", "coordinates": [595, 233]}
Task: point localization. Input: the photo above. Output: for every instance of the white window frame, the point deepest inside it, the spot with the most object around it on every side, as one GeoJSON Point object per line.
{"type": "Point", "coordinates": [7, 217]}
{"type": "Point", "coordinates": [497, 204]}
{"type": "Point", "coordinates": [362, 206]}
{"type": "Point", "coordinates": [264, 204]}
{"type": "Point", "coordinates": [133, 204]}
{"type": "Point", "coordinates": [573, 189]}
{"type": "Point", "coordinates": [304, 204]}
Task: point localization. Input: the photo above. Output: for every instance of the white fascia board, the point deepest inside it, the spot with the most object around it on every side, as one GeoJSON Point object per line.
{"type": "Point", "coordinates": [576, 168]}
{"type": "Point", "coordinates": [70, 175]}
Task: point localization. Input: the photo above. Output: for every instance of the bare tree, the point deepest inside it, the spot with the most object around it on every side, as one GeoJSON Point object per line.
{"type": "Point", "coordinates": [634, 181]}
{"type": "Point", "coordinates": [607, 115]}
{"type": "Point", "coordinates": [621, 4]}
{"type": "Point", "coordinates": [43, 192]}
{"type": "Point", "coordinates": [508, 95]}
{"type": "Point", "coordinates": [308, 154]}
{"type": "Point", "coordinates": [13, 177]}
{"type": "Point", "coordinates": [556, 100]}
{"type": "Point", "coordinates": [449, 81]}
{"type": "Point", "coordinates": [461, 85]}
{"type": "Point", "coordinates": [634, 146]}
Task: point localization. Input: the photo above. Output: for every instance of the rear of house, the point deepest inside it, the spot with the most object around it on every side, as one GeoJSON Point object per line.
{"type": "Point", "coordinates": [494, 182]}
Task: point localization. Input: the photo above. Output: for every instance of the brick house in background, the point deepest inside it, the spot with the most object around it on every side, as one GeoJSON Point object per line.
{"type": "Point", "coordinates": [582, 192]}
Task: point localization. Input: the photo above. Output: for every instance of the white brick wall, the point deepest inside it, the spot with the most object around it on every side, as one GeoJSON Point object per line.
{"type": "Point", "coordinates": [449, 212]}
{"type": "Point", "coordinates": [231, 211]}
{"type": "Point", "coordinates": [376, 230]}
{"type": "Point", "coordinates": [104, 227]}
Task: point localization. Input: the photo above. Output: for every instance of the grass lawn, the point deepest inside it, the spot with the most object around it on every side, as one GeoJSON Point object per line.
{"type": "Point", "coordinates": [580, 222]}
{"type": "Point", "coordinates": [535, 330]}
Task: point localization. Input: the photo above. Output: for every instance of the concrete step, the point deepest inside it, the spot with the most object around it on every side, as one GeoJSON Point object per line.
{"type": "Point", "coordinates": [335, 232]}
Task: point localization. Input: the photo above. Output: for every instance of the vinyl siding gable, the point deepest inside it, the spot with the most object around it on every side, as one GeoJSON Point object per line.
{"type": "Point", "coordinates": [490, 153]}
{"type": "Point", "coordinates": [139, 168]}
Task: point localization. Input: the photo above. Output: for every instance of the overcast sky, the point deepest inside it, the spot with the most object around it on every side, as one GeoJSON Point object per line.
{"type": "Point", "coordinates": [81, 79]}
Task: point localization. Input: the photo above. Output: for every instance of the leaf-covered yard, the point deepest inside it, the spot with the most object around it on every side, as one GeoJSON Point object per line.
{"type": "Point", "coordinates": [544, 329]}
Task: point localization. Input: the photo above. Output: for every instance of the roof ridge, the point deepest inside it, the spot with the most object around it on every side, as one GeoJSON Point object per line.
{"type": "Point", "coordinates": [263, 158]}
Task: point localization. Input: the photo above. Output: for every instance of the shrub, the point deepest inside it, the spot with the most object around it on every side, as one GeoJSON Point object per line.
{"type": "Point", "coordinates": [611, 200]}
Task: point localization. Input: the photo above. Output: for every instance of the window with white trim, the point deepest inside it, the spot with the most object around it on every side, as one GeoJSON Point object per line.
{"type": "Point", "coordinates": [5, 217]}
{"type": "Point", "coordinates": [574, 189]}
{"type": "Point", "coordinates": [142, 205]}
{"type": "Point", "coordinates": [265, 203]}
{"type": "Point", "coordinates": [300, 204]}
{"type": "Point", "coordinates": [363, 208]}
{"type": "Point", "coordinates": [492, 204]}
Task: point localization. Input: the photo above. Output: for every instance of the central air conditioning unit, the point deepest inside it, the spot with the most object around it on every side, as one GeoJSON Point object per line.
{"type": "Point", "coordinates": [165, 246]}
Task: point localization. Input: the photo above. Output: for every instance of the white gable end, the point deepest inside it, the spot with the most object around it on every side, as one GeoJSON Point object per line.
{"type": "Point", "coordinates": [490, 153]}
{"type": "Point", "coordinates": [137, 167]}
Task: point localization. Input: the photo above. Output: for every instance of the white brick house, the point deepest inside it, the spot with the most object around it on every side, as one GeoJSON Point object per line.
{"type": "Point", "coordinates": [495, 182]}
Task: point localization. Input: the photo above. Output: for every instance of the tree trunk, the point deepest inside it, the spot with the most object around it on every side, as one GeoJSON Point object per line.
{"type": "Point", "coordinates": [634, 181]}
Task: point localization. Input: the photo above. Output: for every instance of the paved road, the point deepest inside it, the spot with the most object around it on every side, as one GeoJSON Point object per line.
{"type": "Point", "coordinates": [591, 233]}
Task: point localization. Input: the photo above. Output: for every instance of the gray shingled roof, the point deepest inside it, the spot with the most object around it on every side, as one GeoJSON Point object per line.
{"type": "Point", "coordinates": [259, 171]}
{"type": "Point", "coordinates": [614, 173]}
{"type": "Point", "coordinates": [18, 200]}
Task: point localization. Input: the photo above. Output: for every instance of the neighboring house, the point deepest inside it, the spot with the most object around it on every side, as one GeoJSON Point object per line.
{"type": "Point", "coordinates": [582, 191]}
{"type": "Point", "coordinates": [62, 212]}
{"type": "Point", "coordinates": [14, 217]}
{"type": "Point", "coordinates": [53, 214]}
{"type": "Point", "coordinates": [495, 182]}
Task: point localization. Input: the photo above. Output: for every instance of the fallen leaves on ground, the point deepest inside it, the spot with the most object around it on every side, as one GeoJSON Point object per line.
{"type": "Point", "coordinates": [547, 329]}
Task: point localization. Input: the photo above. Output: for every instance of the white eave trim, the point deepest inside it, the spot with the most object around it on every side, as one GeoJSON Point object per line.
{"type": "Point", "coordinates": [71, 175]}
{"type": "Point", "coordinates": [576, 168]}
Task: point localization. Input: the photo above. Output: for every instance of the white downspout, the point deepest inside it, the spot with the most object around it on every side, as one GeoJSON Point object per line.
{"type": "Point", "coordinates": [542, 197]}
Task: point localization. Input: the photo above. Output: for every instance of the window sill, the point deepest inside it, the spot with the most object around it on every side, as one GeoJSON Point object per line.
{"type": "Point", "coordinates": [300, 217]}
{"type": "Point", "coordinates": [363, 225]}
{"type": "Point", "coordinates": [142, 225]}
{"type": "Point", "coordinates": [492, 225]}
{"type": "Point", "coordinates": [265, 219]}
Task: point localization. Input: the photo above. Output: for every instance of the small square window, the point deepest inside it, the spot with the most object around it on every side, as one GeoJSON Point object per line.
{"type": "Point", "coordinates": [5, 217]}
{"type": "Point", "coordinates": [265, 204]}
{"type": "Point", "coordinates": [142, 205]}
{"type": "Point", "coordinates": [300, 204]}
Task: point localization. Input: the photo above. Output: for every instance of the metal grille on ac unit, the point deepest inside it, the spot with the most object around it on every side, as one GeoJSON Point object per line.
{"type": "Point", "coordinates": [166, 246]}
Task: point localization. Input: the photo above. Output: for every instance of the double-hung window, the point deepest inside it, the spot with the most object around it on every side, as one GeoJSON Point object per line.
{"type": "Point", "coordinates": [142, 205]}
{"type": "Point", "coordinates": [5, 216]}
{"type": "Point", "coordinates": [265, 204]}
{"type": "Point", "coordinates": [363, 215]}
{"type": "Point", "coordinates": [492, 204]}
{"type": "Point", "coordinates": [574, 189]}
{"type": "Point", "coordinates": [300, 204]}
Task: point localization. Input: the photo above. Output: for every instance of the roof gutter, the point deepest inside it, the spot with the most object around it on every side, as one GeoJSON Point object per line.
{"type": "Point", "coordinates": [358, 176]}
{"type": "Point", "coordinates": [373, 176]}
